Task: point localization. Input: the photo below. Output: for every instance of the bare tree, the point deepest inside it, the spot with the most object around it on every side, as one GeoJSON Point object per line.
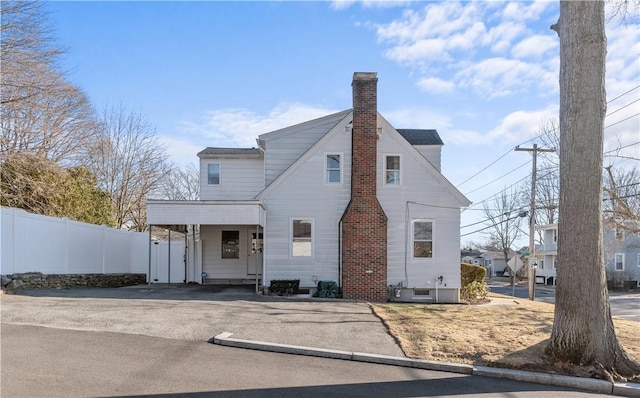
{"type": "Point", "coordinates": [504, 217]}
{"type": "Point", "coordinates": [129, 162]}
{"type": "Point", "coordinates": [26, 45]}
{"type": "Point", "coordinates": [42, 113]}
{"type": "Point", "coordinates": [622, 199]}
{"type": "Point", "coordinates": [583, 332]}
{"type": "Point", "coordinates": [180, 183]}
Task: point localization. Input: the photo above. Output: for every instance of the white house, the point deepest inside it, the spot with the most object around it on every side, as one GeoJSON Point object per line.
{"type": "Point", "coordinates": [621, 250]}
{"type": "Point", "coordinates": [345, 198]}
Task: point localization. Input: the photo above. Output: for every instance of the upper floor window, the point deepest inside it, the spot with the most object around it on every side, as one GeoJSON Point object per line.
{"type": "Point", "coordinates": [619, 262]}
{"type": "Point", "coordinates": [301, 237]}
{"type": "Point", "coordinates": [422, 239]}
{"type": "Point", "coordinates": [213, 174]}
{"type": "Point", "coordinates": [555, 236]}
{"type": "Point", "coordinates": [619, 233]}
{"type": "Point", "coordinates": [334, 169]}
{"type": "Point", "coordinates": [392, 170]}
{"type": "Point", "coordinates": [638, 259]}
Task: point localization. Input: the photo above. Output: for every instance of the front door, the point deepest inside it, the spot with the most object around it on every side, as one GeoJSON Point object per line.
{"type": "Point", "coordinates": [254, 263]}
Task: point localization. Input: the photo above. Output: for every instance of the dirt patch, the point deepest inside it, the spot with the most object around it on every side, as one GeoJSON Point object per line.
{"type": "Point", "coordinates": [507, 332]}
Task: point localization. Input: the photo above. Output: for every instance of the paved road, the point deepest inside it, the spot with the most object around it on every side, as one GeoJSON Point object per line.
{"type": "Point", "coordinates": [47, 362]}
{"type": "Point", "coordinates": [623, 305]}
{"type": "Point", "coordinates": [201, 312]}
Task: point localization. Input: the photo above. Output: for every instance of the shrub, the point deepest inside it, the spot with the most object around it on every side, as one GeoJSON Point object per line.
{"type": "Point", "coordinates": [474, 292]}
{"type": "Point", "coordinates": [471, 273]}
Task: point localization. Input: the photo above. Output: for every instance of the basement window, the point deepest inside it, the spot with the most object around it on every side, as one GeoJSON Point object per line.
{"type": "Point", "coordinates": [421, 292]}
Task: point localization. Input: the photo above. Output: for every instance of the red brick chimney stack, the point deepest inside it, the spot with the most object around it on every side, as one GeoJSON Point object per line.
{"type": "Point", "coordinates": [364, 223]}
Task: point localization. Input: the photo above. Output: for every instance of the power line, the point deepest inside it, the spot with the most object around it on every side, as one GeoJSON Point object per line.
{"type": "Point", "coordinates": [491, 182]}
{"type": "Point", "coordinates": [621, 108]}
{"type": "Point", "coordinates": [495, 161]}
{"type": "Point", "coordinates": [623, 94]}
{"type": "Point", "coordinates": [623, 120]}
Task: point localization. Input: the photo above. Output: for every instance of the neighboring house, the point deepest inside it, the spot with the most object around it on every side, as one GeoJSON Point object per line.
{"type": "Point", "coordinates": [621, 255]}
{"type": "Point", "coordinates": [345, 198]}
{"type": "Point", "coordinates": [547, 254]}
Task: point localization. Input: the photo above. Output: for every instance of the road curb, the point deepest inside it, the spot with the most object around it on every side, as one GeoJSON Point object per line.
{"type": "Point", "coordinates": [580, 383]}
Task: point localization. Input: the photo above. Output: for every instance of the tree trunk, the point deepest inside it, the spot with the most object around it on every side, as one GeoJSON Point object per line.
{"type": "Point", "coordinates": [583, 332]}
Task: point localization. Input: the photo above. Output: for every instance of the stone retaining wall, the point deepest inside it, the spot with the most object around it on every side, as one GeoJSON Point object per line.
{"type": "Point", "coordinates": [31, 280]}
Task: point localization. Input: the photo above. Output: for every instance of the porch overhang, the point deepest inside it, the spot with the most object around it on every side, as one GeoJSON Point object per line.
{"type": "Point", "coordinates": [205, 212]}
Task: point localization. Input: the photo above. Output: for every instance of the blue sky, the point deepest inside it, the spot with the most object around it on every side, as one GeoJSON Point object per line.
{"type": "Point", "coordinates": [484, 74]}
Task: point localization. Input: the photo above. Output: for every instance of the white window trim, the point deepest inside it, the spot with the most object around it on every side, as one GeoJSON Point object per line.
{"type": "Point", "coordinates": [615, 262]}
{"type": "Point", "coordinates": [433, 239]}
{"type": "Point", "coordinates": [313, 234]}
{"type": "Point", "coordinates": [326, 169]}
{"type": "Point", "coordinates": [219, 174]}
{"type": "Point", "coordinates": [384, 169]}
{"type": "Point", "coordinates": [638, 259]}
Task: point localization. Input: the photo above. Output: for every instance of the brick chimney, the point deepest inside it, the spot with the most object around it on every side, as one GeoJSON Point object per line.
{"type": "Point", "coordinates": [364, 224]}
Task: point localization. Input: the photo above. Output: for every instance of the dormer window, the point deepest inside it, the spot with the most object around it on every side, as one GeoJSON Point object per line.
{"type": "Point", "coordinates": [392, 170]}
{"type": "Point", "coordinates": [213, 174]}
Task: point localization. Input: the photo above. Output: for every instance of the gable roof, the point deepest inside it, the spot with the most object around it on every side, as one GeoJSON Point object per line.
{"type": "Point", "coordinates": [244, 153]}
{"type": "Point", "coordinates": [421, 136]}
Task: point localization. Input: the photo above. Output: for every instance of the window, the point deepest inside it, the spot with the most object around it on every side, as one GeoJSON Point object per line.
{"type": "Point", "coordinates": [619, 262]}
{"type": "Point", "coordinates": [540, 264]}
{"type": "Point", "coordinates": [555, 262]}
{"type": "Point", "coordinates": [334, 173]}
{"type": "Point", "coordinates": [301, 235]}
{"type": "Point", "coordinates": [230, 244]}
{"type": "Point", "coordinates": [422, 239]}
{"type": "Point", "coordinates": [638, 259]}
{"type": "Point", "coordinates": [213, 174]}
{"type": "Point", "coordinates": [555, 236]}
{"type": "Point", "coordinates": [392, 170]}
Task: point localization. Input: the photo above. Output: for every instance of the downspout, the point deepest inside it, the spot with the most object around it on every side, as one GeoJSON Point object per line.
{"type": "Point", "coordinates": [169, 261]}
{"type": "Point", "coordinates": [257, 238]}
{"type": "Point", "coordinates": [186, 252]}
{"type": "Point", "coordinates": [149, 274]}
{"type": "Point", "coordinates": [340, 255]}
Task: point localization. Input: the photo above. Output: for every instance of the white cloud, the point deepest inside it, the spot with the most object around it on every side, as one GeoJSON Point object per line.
{"type": "Point", "coordinates": [434, 85]}
{"type": "Point", "coordinates": [525, 11]}
{"type": "Point", "coordinates": [520, 126]}
{"type": "Point", "coordinates": [535, 46]}
{"type": "Point", "coordinates": [240, 127]}
{"type": "Point", "coordinates": [417, 117]}
{"type": "Point", "coordinates": [501, 77]}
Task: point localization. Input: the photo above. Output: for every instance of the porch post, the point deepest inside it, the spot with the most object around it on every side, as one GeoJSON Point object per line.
{"type": "Point", "coordinates": [257, 238]}
{"type": "Point", "coordinates": [169, 261]}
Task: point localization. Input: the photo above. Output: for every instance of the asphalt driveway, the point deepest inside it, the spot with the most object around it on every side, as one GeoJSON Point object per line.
{"type": "Point", "coordinates": [198, 313]}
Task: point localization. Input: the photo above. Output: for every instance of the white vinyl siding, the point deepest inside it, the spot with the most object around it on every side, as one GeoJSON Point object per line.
{"type": "Point", "coordinates": [432, 153]}
{"type": "Point", "coordinates": [305, 191]}
{"type": "Point", "coordinates": [239, 179]}
{"type": "Point", "coordinates": [213, 262]}
{"type": "Point", "coordinates": [284, 147]}
{"type": "Point", "coordinates": [428, 200]}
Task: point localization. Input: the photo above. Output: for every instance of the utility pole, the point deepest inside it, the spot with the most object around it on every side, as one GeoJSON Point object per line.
{"type": "Point", "coordinates": [532, 217]}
